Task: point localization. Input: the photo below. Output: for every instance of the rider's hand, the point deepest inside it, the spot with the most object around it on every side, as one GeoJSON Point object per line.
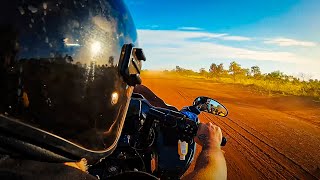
{"type": "Point", "coordinates": [209, 136]}
{"type": "Point", "coordinates": [210, 163]}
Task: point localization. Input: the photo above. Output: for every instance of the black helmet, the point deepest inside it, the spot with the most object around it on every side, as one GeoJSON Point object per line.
{"type": "Point", "coordinates": [67, 71]}
{"type": "Point", "coordinates": [199, 101]}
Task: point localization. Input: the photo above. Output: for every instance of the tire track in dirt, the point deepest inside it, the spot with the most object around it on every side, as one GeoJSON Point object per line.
{"type": "Point", "coordinates": [288, 159]}
{"type": "Point", "coordinates": [288, 144]}
{"type": "Point", "coordinates": [268, 156]}
{"type": "Point", "coordinates": [271, 165]}
{"type": "Point", "coordinates": [245, 150]}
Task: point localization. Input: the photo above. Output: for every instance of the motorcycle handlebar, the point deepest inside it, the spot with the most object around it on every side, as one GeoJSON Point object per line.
{"type": "Point", "coordinates": [186, 127]}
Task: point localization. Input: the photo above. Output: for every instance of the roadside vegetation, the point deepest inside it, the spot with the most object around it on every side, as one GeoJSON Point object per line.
{"type": "Point", "coordinates": [275, 82]}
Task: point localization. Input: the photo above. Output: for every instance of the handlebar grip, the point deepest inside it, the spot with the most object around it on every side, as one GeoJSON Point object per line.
{"type": "Point", "coordinates": [224, 141]}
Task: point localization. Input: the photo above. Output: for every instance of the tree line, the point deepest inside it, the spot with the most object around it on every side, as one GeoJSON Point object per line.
{"type": "Point", "coordinates": [235, 71]}
{"type": "Point", "coordinates": [275, 81]}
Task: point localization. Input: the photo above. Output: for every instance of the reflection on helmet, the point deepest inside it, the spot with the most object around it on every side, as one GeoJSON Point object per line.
{"type": "Point", "coordinates": [59, 68]}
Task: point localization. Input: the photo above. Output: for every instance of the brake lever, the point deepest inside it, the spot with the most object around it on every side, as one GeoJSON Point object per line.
{"type": "Point", "coordinates": [223, 141]}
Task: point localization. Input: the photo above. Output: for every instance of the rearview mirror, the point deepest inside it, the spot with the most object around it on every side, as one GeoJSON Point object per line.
{"type": "Point", "coordinates": [211, 106]}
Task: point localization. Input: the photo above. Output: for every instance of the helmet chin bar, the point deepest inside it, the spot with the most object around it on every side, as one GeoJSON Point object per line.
{"type": "Point", "coordinates": [130, 64]}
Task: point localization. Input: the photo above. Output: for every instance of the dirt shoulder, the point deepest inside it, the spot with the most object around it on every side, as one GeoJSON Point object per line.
{"type": "Point", "coordinates": [270, 137]}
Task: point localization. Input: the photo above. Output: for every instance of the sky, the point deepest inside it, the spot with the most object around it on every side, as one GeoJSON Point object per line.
{"type": "Point", "coordinates": [273, 34]}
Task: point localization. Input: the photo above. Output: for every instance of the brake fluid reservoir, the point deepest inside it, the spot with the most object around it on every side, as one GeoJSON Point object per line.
{"type": "Point", "coordinates": [182, 149]}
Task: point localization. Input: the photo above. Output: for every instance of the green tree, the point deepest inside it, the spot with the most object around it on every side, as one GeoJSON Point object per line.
{"type": "Point", "coordinates": [203, 72]}
{"type": "Point", "coordinates": [256, 72]}
{"type": "Point", "coordinates": [179, 69]}
{"type": "Point", "coordinates": [275, 75]}
{"type": "Point", "coordinates": [295, 80]}
{"type": "Point", "coordinates": [221, 69]}
{"type": "Point", "coordinates": [235, 70]}
{"type": "Point", "coordinates": [216, 70]}
{"type": "Point", "coordinates": [213, 68]}
{"type": "Point", "coordinates": [246, 72]}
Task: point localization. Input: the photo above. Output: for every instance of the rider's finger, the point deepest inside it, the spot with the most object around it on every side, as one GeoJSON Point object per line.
{"type": "Point", "coordinates": [210, 124]}
{"type": "Point", "coordinates": [213, 126]}
{"type": "Point", "coordinates": [219, 129]}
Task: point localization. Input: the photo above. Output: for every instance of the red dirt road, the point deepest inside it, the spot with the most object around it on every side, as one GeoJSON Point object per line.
{"type": "Point", "coordinates": [268, 137]}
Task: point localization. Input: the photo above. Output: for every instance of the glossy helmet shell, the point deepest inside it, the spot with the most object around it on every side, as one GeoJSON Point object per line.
{"type": "Point", "coordinates": [59, 73]}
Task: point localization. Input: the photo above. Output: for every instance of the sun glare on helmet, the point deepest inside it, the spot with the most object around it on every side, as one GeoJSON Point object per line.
{"type": "Point", "coordinates": [114, 98]}
{"type": "Point", "coordinates": [95, 48]}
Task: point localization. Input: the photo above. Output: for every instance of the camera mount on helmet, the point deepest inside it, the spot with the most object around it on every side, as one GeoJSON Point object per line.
{"type": "Point", "coordinates": [130, 64]}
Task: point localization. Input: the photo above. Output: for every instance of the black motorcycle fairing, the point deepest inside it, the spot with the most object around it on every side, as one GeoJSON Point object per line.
{"type": "Point", "coordinates": [169, 164]}
{"type": "Point", "coordinates": [144, 138]}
